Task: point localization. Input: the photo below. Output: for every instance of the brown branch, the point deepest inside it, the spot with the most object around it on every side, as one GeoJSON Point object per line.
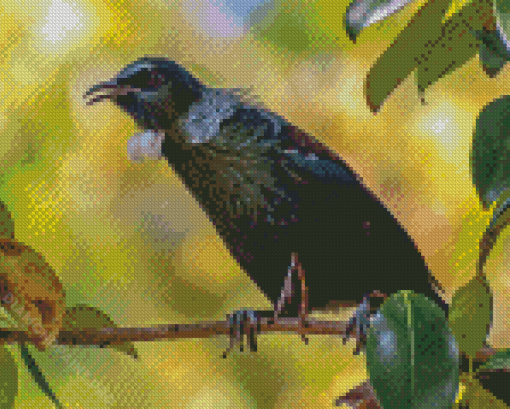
{"type": "Point", "coordinates": [117, 336]}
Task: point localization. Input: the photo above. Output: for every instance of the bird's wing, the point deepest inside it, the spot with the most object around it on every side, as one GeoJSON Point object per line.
{"type": "Point", "coordinates": [262, 153]}
{"type": "Point", "coordinates": [305, 157]}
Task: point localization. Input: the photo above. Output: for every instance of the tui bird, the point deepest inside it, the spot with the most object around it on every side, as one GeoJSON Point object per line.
{"type": "Point", "coordinates": [269, 188]}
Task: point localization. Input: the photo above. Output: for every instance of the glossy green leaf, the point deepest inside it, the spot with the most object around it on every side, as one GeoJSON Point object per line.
{"type": "Point", "coordinates": [502, 13]}
{"type": "Point", "coordinates": [8, 379]}
{"type": "Point", "coordinates": [491, 63]}
{"type": "Point", "coordinates": [38, 376]}
{"type": "Point", "coordinates": [489, 162]}
{"type": "Point", "coordinates": [470, 315]}
{"type": "Point", "coordinates": [412, 356]}
{"type": "Point", "coordinates": [83, 316]}
{"type": "Point", "coordinates": [410, 48]}
{"type": "Point", "coordinates": [363, 13]}
{"type": "Point", "coordinates": [499, 361]}
{"type": "Point", "coordinates": [455, 45]}
{"type": "Point", "coordinates": [493, 50]}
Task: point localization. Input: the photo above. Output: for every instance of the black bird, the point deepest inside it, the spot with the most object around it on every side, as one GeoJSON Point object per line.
{"type": "Point", "coordinates": [269, 188]}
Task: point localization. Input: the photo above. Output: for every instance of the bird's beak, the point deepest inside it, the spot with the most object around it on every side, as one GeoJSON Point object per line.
{"type": "Point", "coordinates": [110, 89]}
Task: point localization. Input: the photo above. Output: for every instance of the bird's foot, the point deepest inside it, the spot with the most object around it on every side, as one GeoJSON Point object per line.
{"type": "Point", "coordinates": [245, 323]}
{"type": "Point", "coordinates": [358, 326]}
{"type": "Point", "coordinates": [291, 303]}
{"type": "Point", "coordinates": [360, 322]}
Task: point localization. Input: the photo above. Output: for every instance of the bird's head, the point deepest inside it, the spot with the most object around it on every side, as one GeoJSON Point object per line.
{"type": "Point", "coordinates": [155, 91]}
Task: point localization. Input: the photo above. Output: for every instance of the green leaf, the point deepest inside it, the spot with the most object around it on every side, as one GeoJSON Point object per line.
{"type": "Point", "coordinates": [363, 13]}
{"type": "Point", "coordinates": [409, 49]}
{"type": "Point", "coordinates": [494, 52]}
{"type": "Point", "coordinates": [491, 62]}
{"type": "Point", "coordinates": [83, 316]}
{"type": "Point", "coordinates": [502, 13]}
{"type": "Point", "coordinates": [454, 46]}
{"type": "Point", "coordinates": [489, 162]}
{"type": "Point", "coordinates": [498, 362]}
{"type": "Point", "coordinates": [412, 356]}
{"type": "Point", "coordinates": [470, 315]}
{"type": "Point", "coordinates": [38, 376]}
{"type": "Point", "coordinates": [8, 379]}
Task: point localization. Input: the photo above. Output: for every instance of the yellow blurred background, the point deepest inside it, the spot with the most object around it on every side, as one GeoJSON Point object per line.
{"type": "Point", "coordinates": [129, 239]}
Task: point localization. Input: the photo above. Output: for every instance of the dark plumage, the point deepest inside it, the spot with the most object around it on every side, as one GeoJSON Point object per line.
{"type": "Point", "coordinates": [270, 189]}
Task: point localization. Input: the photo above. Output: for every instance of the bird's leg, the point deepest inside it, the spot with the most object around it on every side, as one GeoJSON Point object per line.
{"type": "Point", "coordinates": [360, 321]}
{"type": "Point", "coordinates": [293, 301]}
{"type": "Point", "coordinates": [290, 304]}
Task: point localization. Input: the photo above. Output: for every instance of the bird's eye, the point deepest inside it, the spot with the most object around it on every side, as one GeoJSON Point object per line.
{"type": "Point", "coordinates": [146, 78]}
{"type": "Point", "coordinates": [140, 79]}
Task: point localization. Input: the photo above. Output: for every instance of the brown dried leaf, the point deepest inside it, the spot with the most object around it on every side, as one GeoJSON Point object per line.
{"type": "Point", "coordinates": [31, 292]}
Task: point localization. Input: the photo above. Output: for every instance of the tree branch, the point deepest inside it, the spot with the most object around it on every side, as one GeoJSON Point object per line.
{"type": "Point", "coordinates": [117, 336]}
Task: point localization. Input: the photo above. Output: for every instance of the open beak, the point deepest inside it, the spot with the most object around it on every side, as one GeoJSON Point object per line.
{"type": "Point", "coordinates": [109, 90]}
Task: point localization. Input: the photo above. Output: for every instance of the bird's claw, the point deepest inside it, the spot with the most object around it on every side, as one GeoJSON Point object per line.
{"type": "Point", "coordinates": [244, 322]}
{"type": "Point", "coordinates": [357, 328]}
{"type": "Point", "coordinates": [360, 322]}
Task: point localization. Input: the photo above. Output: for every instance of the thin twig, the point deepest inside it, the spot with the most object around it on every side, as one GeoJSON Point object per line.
{"type": "Point", "coordinates": [117, 336]}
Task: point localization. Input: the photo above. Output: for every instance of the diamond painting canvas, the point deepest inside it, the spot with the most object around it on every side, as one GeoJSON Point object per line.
{"type": "Point", "coordinates": [254, 204]}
